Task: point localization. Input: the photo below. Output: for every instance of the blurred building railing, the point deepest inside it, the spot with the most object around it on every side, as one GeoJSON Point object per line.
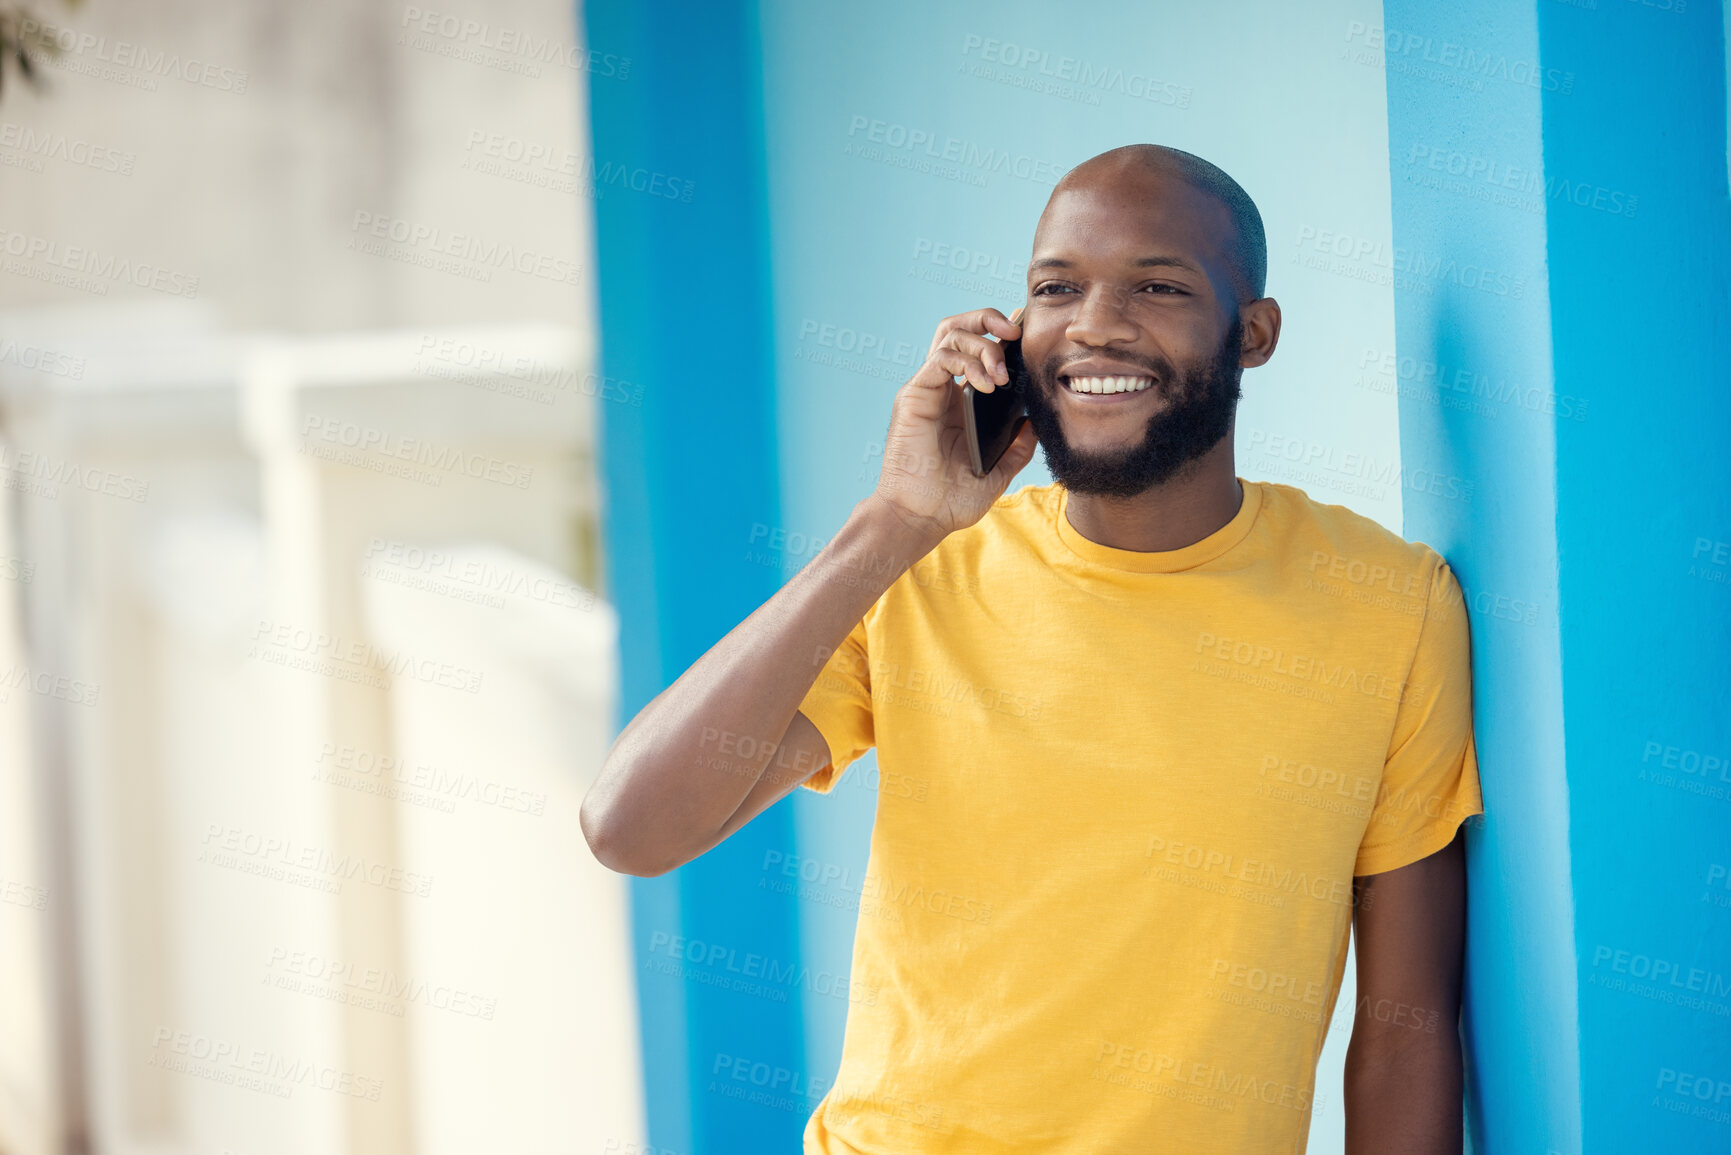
{"type": "Point", "coordinates": [305, 677]}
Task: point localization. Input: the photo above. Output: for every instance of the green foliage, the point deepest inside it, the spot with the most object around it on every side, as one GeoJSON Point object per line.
{"type": "Point", "coordinates": [25, 42]}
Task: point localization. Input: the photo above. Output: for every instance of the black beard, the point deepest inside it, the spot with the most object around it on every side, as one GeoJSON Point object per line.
{"type": "Point", "coordinates": [1204, 401]}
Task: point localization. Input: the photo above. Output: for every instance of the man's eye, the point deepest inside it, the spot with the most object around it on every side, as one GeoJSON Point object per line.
{"type": "Point", "coordinates": [1048, 289]}
{"type": "Point", "coordinates": [1163, 288]}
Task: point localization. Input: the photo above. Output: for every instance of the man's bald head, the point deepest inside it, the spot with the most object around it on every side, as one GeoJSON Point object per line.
{"type": "Point", "coordinates": [1249, 252]}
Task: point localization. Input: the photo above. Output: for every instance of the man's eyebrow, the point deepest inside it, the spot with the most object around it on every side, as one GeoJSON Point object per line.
{"type": "Point", "coordinates": [1140, 262]}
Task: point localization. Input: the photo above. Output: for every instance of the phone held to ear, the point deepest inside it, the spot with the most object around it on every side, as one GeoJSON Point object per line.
{"type": "Point", "coordinates": [993, 419]}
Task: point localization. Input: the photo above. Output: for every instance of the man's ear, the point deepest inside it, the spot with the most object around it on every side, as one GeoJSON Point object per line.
{"type": "Point", "coordinates": [1261, 321]}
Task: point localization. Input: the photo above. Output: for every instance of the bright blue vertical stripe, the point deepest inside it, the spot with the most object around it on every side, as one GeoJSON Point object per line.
{"type": "Point", "coordinates": [685, 313]}
{"type": "Point", "coordinates": [1640, 254]}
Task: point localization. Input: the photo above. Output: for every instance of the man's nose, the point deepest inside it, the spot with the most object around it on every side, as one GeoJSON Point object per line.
{"type": "Point", "coordinates": [1101, 319]}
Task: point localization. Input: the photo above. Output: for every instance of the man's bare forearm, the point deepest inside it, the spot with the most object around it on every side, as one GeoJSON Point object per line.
{"type": "Point", "coordinates": [681, 774]}
{"type": "Point", "coordinates": [686, 762]}
{"type": "Point", "coordinates": [1403, 1091]}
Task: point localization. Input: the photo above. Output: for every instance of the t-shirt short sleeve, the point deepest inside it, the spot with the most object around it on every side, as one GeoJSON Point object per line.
{"type": "Point", "coordinates": [839, 704]}
{"type": "Point", "coordinates": [1430, 780]}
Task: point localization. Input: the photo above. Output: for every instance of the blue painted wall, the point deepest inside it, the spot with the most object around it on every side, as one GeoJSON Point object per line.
{"type": "Point", "coordinates": [911, 149]}
{"type": "Point", "coordinates": [1581, 149]}
{"type": "Point", "coordinates": [1640, 290]}
{"type": "Point", "coordinates": [1454, 300]}
{"type": "Point", "coordinates": [685, 313]}
{"type": "Point", "coordinates": [1473, 319]}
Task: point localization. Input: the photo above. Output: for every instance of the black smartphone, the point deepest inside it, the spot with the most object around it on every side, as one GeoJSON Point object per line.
{"type": "Point", "coordinates": [994, 418]}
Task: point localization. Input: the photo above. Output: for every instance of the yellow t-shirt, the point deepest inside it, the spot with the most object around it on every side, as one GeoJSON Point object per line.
{"type": "Point", "coordinates": [1107, 903]}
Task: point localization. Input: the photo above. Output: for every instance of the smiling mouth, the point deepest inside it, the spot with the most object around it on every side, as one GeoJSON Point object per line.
{"type": "Point", "coordinates": [1106, 384]}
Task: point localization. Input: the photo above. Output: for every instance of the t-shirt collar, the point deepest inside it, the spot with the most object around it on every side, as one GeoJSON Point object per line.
{"type": "Point", "coordinates": [1162, 561]}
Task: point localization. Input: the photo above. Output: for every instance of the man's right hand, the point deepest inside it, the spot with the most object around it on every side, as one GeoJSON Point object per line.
{"type": "Point", "coordinates": [927, 478]}
{"type": "Point", "coordinates": [727, 739]}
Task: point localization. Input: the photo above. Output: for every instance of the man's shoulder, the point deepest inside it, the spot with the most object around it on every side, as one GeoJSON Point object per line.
{"type": "Point", "coordinates": [1317, 536]}
{"type": "Point", "coordinates": [1022, 514]}
{"type": "Point", "coordinates": [1035, 500]}
{"type": "Point", "coordinates": [1333, 540]}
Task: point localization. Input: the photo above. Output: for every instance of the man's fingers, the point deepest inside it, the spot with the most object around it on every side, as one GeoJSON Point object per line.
{"type": "Point", "coordinates": [989, 353]}
{"type": "Point", "coordinates": [979, 321]}
{"type": "Point", "coordinates": [959, 364]}
{"type": "Point", "coordinates": [946, 364]}
{"type": "Point", "coordinates": [994, 322]}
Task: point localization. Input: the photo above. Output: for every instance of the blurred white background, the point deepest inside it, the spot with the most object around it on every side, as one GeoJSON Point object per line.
{"type": "Point", "coordinates": [304, 667]}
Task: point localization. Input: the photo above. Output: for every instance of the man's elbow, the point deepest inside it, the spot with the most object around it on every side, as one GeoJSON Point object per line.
{"type": "Point", "coordinates": [614, 848]}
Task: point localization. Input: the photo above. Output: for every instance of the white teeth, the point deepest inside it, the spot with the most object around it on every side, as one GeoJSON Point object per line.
{"type": "Point", "coordinates": [1110, 384]}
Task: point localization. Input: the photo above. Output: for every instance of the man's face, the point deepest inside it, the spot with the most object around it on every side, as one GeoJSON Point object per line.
{"type": "Point", "coordinates": [1131, 278]}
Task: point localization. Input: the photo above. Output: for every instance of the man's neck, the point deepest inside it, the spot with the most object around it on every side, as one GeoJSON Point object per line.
{"type": "Point", "coordinates": [1181, 511]}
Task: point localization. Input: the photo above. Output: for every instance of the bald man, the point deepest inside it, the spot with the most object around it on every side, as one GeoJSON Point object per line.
{"type": "Point", "coordinates": [1152, 740]}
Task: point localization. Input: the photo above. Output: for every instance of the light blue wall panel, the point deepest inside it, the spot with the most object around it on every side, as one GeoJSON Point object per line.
{"type": "Point", "coordinates": [911, 148]}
